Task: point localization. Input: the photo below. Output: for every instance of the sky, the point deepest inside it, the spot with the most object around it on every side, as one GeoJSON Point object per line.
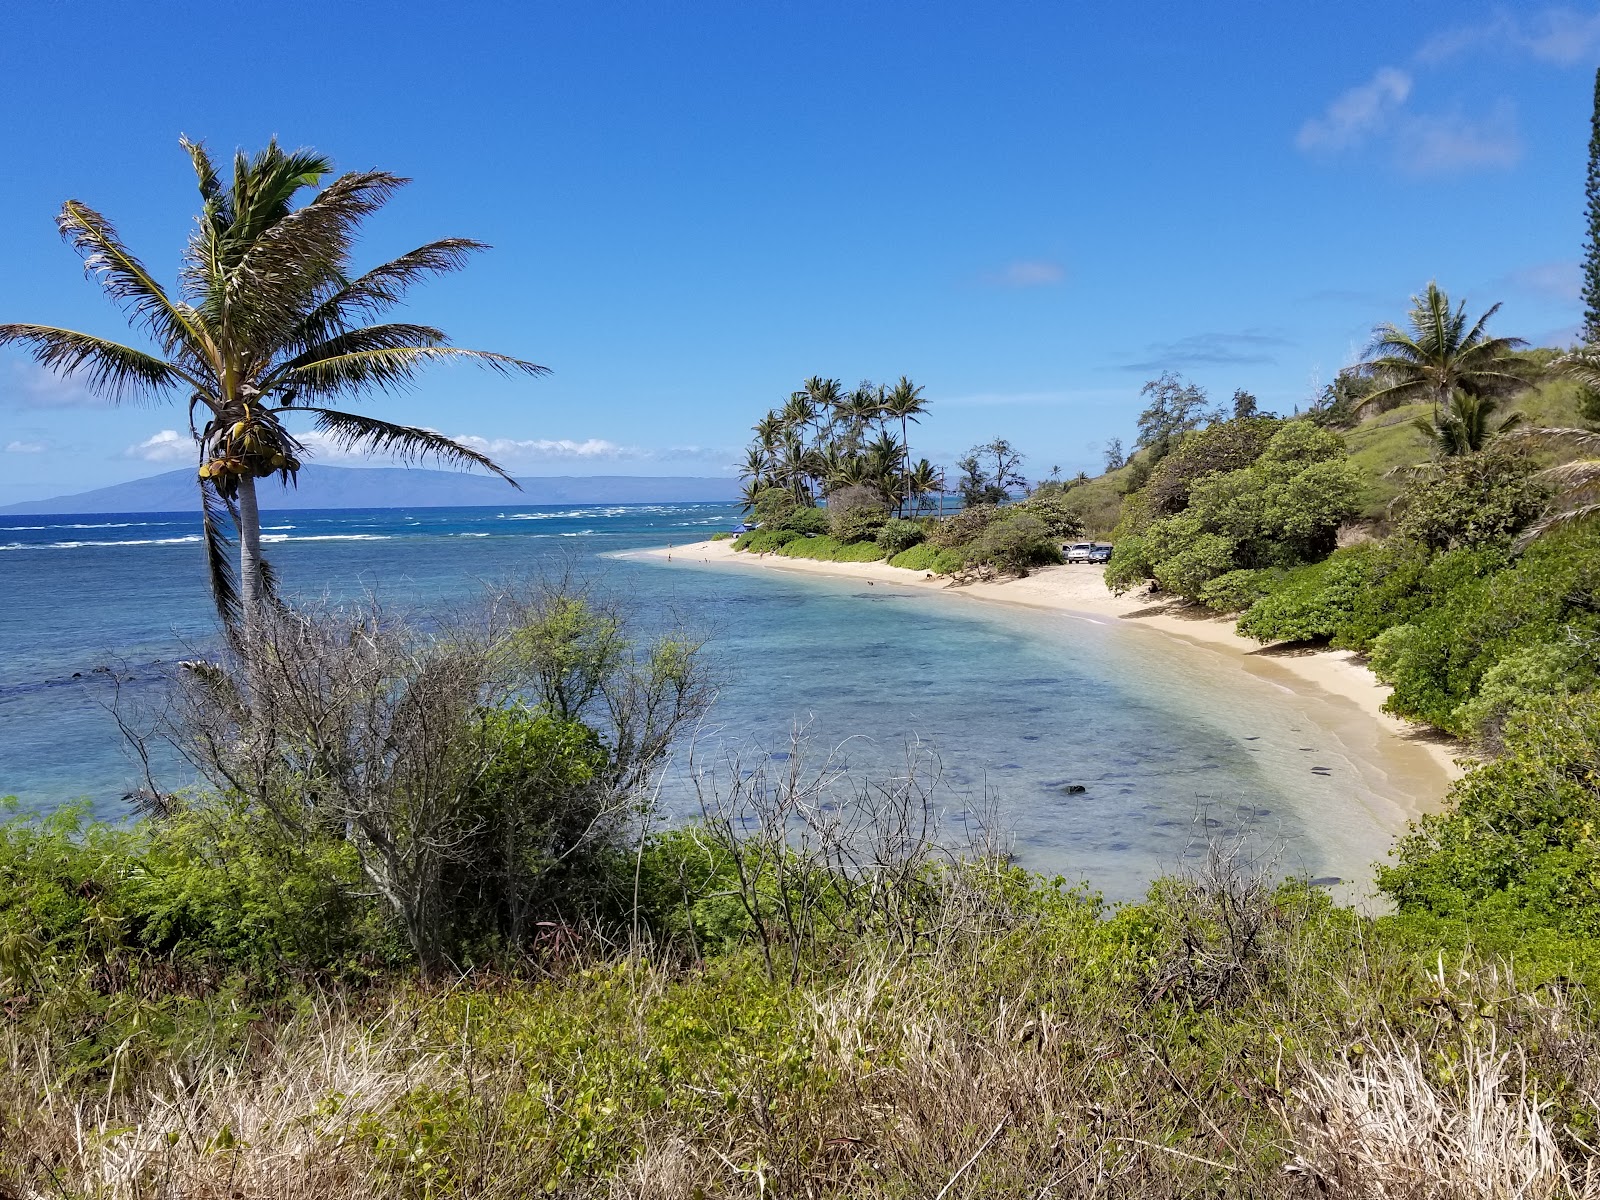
{"type": "Point", "coordinates": [1030, 209]}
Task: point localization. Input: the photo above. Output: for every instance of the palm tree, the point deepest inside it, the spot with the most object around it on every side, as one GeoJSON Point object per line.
{"type": "Point", "coordinates": [905, 401]}
{"type": "Point", "coordinates": [922, 480]}
{"type": "Point", "coordinates": [1440, 355]}
{"type": "Point", "coordinates": [1465, 426]}
{"type": "Point", "coordinates": [269, 322]}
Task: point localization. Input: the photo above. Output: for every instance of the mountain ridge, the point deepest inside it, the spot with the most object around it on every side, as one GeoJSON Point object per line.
{"type": "Point", "coordinates": [325, 487]}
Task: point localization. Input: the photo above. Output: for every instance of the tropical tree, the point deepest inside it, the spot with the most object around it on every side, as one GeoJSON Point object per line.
{"type": "Point", "coordinates": [1466, 425]}
{"type": "Point", "coordinates": [905, 402]}
{"type": "Point", "coordinates": [1441, 354]}
{"type": "Point", "coordinates": [269, 323]}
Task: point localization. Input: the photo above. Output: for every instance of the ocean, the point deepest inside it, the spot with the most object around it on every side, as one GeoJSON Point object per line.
{"type": "Point", "coordinates": [1168, 743]}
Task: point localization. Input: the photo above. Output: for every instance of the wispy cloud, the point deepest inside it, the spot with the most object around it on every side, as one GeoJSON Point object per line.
{"type": "Point", "coordinates": [1420, 144]}
{"type": "Point", "coordinates": [1027, 273]}
{"type": "Point", "coordinates": [1207, 349]}
{"type": "Point", "coordinates": [1561, 36]}
{"type": "Point", "coordinates": [1561, 281]}
{"type": "Point", "coordinates": [1357, 114]}
{"type": "Point", "coordinates": [546, 448]}
{"type": "Point", "coordinates": [167, 446]}
{"type": "Point", "coordinates": [28, 385]}
{"type": "Point", "coordinates": [1448, 144]}
{"type": "Point", "coordinates": [25, 447]}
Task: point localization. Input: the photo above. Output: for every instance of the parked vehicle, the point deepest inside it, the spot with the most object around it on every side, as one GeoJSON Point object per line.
{"type": "Point", "coordinates": [1088, 552]}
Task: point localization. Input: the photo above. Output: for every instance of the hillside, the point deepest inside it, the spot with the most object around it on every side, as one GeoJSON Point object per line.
{"type": "Point", "coordinates": [391, 487]}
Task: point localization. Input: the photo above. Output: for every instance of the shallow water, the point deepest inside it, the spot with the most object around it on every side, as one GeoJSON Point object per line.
{"type": "Point", "coordinates": [1169, 744]}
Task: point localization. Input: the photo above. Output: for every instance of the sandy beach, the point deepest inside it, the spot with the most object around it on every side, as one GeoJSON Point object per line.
{"type": "Point", "coordinates": [1419, 761]}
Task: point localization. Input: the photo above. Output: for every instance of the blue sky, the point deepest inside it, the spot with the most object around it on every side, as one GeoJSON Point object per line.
{"type": "Point", "coordinates": [1029, 208]}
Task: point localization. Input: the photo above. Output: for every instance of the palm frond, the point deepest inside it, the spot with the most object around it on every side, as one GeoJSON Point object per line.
{"type": "Point", "coordinates": [217, 514]}
{"type": "Point", "coordinates": [1584, 473]}
{"type": "Point", "coordinates": [124, 278]}
{"type": "Point", "coordinates": [1582, 365]}
{"type": "Point", "coordinates": [1574, 439]}
{"type": "Point", "coordinates": [1557, 520]}
{"type": "Point", "coordinates": [379, 289]}
{"type": "Point", "coordinates": [395, 336]}
{"type": "Point", "coordinates": [407, 443]}
{"type": "Point", "coordinates": [115, 371]}
{"type": "Point", "coordinates": [387, 369]}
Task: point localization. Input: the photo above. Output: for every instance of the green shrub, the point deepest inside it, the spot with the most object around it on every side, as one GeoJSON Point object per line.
{"type": "Point", "coordinates": [960, 528]}
{"type": "Point", "coordinates": [1131, 564]}
{"type": "Point", "coordinates": [927, 557]}
{"type": "Point", "coordinates": [722, 535]}
{"type": "Point", "coordinates": [1477, 499]}
{"type": "Point", "coordinates": [1013, 544]}
{"type": "Point", "coordinates": [830, 549]}
{"type": "Point", "coordinates": [212, 884]}
{"type": "Point", "coordinates": [763, 541]}
{"type": "Point", "coordinates": [807, 520]}
{"type": "Point", "coordinates": [856, 513]}
{"type": "Point", "coordinates": [1062, 516]}
{"type": "Point", "coordinates": [1237, 590]}
{"type": "Point", "coordinates": [772, 506]}
{"type": "Point", "coordinates": [1517, 680]}
{"type": "Point", "coordinates": [1310, 603]}
{"type": "Point", "coordinates": [1517, 843]}
{"type": "Point", "coordinates": [898, 535]}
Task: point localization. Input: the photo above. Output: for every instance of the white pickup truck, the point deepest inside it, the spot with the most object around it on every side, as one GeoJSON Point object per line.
{"type": "Point", "coordinates": [1088, 552]}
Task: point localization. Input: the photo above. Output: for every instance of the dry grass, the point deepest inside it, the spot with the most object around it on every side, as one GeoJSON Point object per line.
{"type": "Point", "coordinates": [1233, 1054]}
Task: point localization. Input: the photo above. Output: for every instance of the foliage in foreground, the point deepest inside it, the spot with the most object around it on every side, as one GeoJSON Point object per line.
{"type": "Point", "coordinates": [982, 1035]}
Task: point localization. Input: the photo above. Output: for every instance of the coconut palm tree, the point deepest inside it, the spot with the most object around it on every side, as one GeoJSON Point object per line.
{"type": "Point", "coordinates": [268, 323]}
{"type": "Point", "coordinates": [1466, 425]}
{"type": "Point", "coordinates": [905, 402]}
{"type": "Point", "coordinates": [922, 480]}
{"type": "Point", "coordinates": [1440, 355]}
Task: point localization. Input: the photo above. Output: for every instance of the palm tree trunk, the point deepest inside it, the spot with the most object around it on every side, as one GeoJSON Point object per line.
{"type": "Point", "coordinates": [250, 581]}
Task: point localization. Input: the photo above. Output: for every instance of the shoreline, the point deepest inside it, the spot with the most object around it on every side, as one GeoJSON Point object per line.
{"type": "Point", "coordinates": [1080, 591]}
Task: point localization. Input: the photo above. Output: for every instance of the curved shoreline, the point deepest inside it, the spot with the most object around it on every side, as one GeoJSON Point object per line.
{"type": "Point", "coordinates": [1431, 760]}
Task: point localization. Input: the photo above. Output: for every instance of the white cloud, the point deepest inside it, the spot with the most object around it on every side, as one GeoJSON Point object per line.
{"type": "Point", "coordinates": [1555, 35]}
{"type": "Point", "coordinates": [25, 447]}
{"type": "Point", "coordinates": [1419, 143]}
{"type": "Point", "coordinates": [1443, 145]}
{"type": "Point", "coordinates": [1028, 273]}
{"type": "Point", "coordinates": [167, 446]}
{"type": "Point", "coordinates": [546, 448]}
{"type": "Point", "coordinates": [1356, 114]}
{"type": "Point", "coordinates": [28, 385]}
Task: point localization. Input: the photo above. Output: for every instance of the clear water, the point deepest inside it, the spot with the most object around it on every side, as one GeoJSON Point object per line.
{"type": "Point", "coordinates": [1167, 741]}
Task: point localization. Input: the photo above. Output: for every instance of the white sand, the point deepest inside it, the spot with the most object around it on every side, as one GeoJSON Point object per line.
{"type": "Point", "coordinates": [1419, 762]}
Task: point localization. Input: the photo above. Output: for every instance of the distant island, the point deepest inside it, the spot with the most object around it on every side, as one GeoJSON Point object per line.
{"type": "Point", "coordinates": [392, 487]}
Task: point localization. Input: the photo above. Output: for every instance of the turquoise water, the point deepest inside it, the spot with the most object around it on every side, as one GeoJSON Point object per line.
{"type": "Point", "coordinates": [1168, 743]}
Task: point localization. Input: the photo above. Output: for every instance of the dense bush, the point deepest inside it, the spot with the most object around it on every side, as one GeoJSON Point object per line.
{"type": "Point", "coordinates": [1238, 590]}
{"type": "Point", "coordinates": [831, 549]}
{"type": "Point", "coordinates": [763, 541]}
{"type": "Point", "coordinates": [1473, 500]}
{"type": "Point", "coordinates": [1013, 544]}
{"type": "Point", "coordinates": [1061, 515]}
{"type": "Point", "coordinates": [960, 528]}
{"type": "Point", "coordinates": [1516, 846]}
{"type": "Point", "coordinates": [1313, 602]}
{"type": "Point", "coordinates": [1225, 446]}
{"type": "Point", "coordinates": [723, 535]}
{"type": "Point", "coordinates": [772, 506]}
{"type": "Point", "coordinates": [807, 520]}
{"type": "Point", "coordinates": [212, 884]}
{"type": "Point", "coordinates": [1438, 657]}
{"type": "Point", "coordinates": [856, 513]}
{"type": "Point", "coordinates": [927, 557]}
{"type": "Point", "coordinates": [898, 535]}
{"type": "Point", "coordinates": [1281, 510]}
